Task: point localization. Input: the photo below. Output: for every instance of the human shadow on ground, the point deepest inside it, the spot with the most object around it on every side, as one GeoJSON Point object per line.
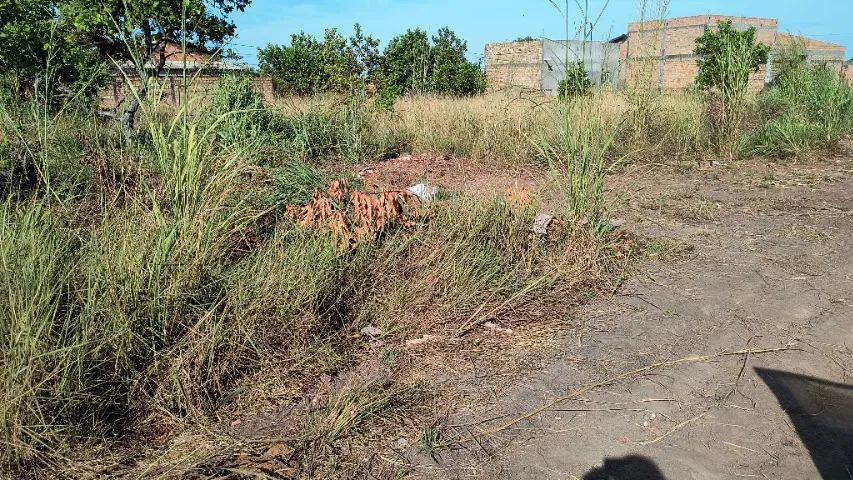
{"type": "Point", "coordinates": [822, 413]}
{"type": "Point", "coordinates": [631, 467]}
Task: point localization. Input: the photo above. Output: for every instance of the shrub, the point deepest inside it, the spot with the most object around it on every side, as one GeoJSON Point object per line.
{"type": "Point", "coordinates": [576, 83]}
{"type": "Point", "coordinates": [727, 57]}
{"type": "Point", "coordinates": [239, 109]}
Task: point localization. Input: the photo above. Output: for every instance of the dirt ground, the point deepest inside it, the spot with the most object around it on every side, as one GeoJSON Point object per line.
{"type": "Point", "coordinates": [750, 257]}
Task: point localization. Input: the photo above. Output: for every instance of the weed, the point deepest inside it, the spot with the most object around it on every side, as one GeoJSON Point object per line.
{"type": "Point", "coordinates": [389, 356]}
{"type": "Point", "coordinates": [430, 441]}
{"type": "Point", "coordinates": [575, 84]}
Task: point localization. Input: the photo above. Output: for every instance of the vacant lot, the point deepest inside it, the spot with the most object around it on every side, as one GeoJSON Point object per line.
{"type": "Point", "coordinates": [236, 290]}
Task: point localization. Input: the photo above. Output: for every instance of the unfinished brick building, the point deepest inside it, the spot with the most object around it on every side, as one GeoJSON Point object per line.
{"type": "Point", "coordinates": [514, 64]}
{"type": "Point", "coordinates": [659, 52]}
{"type": "Point", "coordinates": [664, 49]}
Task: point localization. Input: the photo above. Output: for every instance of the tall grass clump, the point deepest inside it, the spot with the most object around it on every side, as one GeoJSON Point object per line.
{"type": "Point", "coordinates": [808, 107]}
{"type": "Point", "coordinates": [42, 397]}
{"type": "Point", "coordinates": [473, 259]}
{"type": "Point", "coordinates": [92, 311]}
{"type": "Point", "coordinates": [333, 129]}
{"type": "Point", "coordinates": [642, 88]}
{"type": "Point", "coordinates": [494, 128]}
{"type": "Point", "coordinates": [43, 149]}
{"type": "Point", "coordinates": [577, 152]}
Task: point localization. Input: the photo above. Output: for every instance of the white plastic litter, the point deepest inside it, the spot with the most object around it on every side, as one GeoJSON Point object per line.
{"type": "Point", "coordinates": [423, 192]}
{"type": "Point", "coordinates": [541, 223]}
{"type": "Point", "coordinates": [371, 331]}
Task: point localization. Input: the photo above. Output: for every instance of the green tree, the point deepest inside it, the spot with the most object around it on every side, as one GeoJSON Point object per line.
{"type": "Point", "coordinates": [726, 59]}
{"type": "Point", "coordinates": [406, 63]}
{"type": "Point", "coordinates": [452, 73]}
{"type": "Point", "coordinates": [295, 69]}
{"type": "Point", "coordinates": [339, 70]}
{"type": "Point", "coordinates": [38, 43]}
{"type": "Point", "coordinates": [365, 51]}
{"type": "Point", "coordinates": [413, 64]}
{"type": "Point", "coordinates": [333, 64]}
{"type": "Point", "coordinates": [135, 32]}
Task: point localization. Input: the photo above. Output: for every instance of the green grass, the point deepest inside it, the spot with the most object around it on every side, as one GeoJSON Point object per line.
{"type": "Point", "coordinates": [577, 153]}
{"type": "Point", "coordinates": [164, 282]}
{"type": "Point", "coordinates": [430, 442]}
{"type": "Point", "coordinates": [808, 109]}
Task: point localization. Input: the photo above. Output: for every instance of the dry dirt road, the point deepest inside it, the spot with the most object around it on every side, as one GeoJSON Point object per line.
{"type": "Point", "coordinates": [744, 257]}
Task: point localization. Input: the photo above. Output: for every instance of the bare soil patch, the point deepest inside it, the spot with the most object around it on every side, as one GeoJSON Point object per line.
{"type": "Point", "coordinates": [454, 174]}
{"type": "Point", "coordinates": [757, 261]}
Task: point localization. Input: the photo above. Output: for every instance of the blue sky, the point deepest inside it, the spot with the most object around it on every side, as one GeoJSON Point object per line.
{"type": "Point", "coordinates": [486, 21]}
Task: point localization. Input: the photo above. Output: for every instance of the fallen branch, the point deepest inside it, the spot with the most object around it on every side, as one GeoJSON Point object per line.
{"type": "Point", "coordinates": [673, 429]}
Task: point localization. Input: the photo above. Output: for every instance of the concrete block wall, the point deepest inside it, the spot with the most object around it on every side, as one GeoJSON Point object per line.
{"type": "Point", "coordinates": [514, 64]}
{"type": "Point", "coordinates": [818, 52]}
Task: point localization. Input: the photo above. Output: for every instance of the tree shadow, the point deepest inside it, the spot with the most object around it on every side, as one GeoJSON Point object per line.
{"type": "Point", "coordinates": [631, 467]}
{"type": "Point", "coordinates": [822, 413]}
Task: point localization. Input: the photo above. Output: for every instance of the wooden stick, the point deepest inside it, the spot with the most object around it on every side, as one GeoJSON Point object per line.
{"type": "Point", "coordinates": [673, 429]}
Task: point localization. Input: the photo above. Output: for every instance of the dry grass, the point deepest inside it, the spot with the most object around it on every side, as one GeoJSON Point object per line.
{"type": "Point", "coordinates": [501, 128]}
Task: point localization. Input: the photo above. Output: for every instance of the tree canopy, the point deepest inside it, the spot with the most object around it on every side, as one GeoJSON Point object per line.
{"type": "Point", "coordinates": [308, 65]}
{"type": "Point", "coordinates": [38, 41]}
{"type": "Point", "coordinates": [411, 63]}
{"type": "Point", "coordinates": [71, 42]}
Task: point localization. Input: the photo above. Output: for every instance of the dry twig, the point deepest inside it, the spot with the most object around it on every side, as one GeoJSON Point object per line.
{"type": "Point", "coordinates": [629, 374]}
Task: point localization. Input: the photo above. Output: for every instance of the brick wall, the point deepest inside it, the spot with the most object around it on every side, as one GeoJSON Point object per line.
{"type": "Point", "coordinates": [514, 64]}
{"type": "Point", "coordinates": [848, 72]}
{"type": "Point", "coordinates": [172, 92]}
{"type": "Point", "coordinates": [663, 49]}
